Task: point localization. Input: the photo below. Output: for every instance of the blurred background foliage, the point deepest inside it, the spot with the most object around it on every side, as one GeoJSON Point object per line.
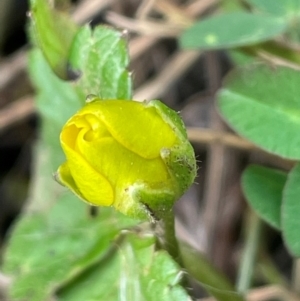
{"type": "Point", "coordinates": [180, 52]}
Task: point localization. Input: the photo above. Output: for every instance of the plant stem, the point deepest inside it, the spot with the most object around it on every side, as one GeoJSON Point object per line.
{"type": "Point", "coordinates": [253, 228]}
{"type": "Point", "coordinates": [170, 241]}
{"type": "Point", "coordinates": [196, 264]}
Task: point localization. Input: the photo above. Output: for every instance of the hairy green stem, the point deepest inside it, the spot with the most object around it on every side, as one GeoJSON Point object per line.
{"type": "Point", "coordinates": [253, 229]}
{"type": "Point", "coordinates": [169, 237]}
{"type": "Point", "coordinates": [194, 263]}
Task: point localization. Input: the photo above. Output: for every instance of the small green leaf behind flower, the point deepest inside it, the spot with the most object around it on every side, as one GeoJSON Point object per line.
{"type": "Point", "coordinates": [53, 32]}
{"type": "Point", "coordinates": [100, 56]}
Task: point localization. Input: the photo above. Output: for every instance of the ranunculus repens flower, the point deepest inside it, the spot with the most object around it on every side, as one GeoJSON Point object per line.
{"type": "Point", "coordinates": [132, 155]}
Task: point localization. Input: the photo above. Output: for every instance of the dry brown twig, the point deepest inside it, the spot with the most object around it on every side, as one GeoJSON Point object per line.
{"type": "Point", "coordinates": [145, 8]}
{"type": "Point", "coordinates": [88, 9]}
{"type": "Point", "coordinates": [16, 112]}
{"type": "Point", "coordinates": [139, 45]}
{"type": "Point", "coordinates": [177, 18]}
{"type": "Point", "coordinates": [176, 66]}
{"type": "Point", "coordinates": [175, 13]}
{"type": "Point", "coordinates": [208, 136]}
{"type": "Point", "coordinates": [11, 67]}
{"type": "Point", "coordinates": [145, 27]}
{"type": "Point", "coordinates": [144, 42]}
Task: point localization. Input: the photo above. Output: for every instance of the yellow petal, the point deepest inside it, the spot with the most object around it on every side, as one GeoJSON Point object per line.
{"type": "Point", "coordinates": [64, 177]}
{"type": "Point", "coordinates": [93, 186]}
{"type": "Point", "coordinates": [121, 166]}
{"type": "Point", "coordinates": [135, 125]}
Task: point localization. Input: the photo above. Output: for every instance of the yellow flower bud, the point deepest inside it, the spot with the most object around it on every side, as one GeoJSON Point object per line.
{"type": "Point", "coordinates": [130, 155]}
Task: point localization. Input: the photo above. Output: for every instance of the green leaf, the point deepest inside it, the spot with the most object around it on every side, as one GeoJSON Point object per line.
{"type": "Point", "coordinates": [134, 271]}
{"type": "Point", "coordinates": [262, 104]}
{"type": "Point", "coordinates": [101, 57]}
{"type": "Point", "coordinates": [290, 220]}
{"type": "Point", "coordinates": [286, 8]}
{"type": "Point", "coordinates": [263, 189]}
{"type": "Point", "coordinates": [232, 30]}
{"type": "Point", "coordinates": [48, 249]}
{"type": "Point", "coordinates": [54, 33]}
{"type": "Point", "coordinates": [57, 101]}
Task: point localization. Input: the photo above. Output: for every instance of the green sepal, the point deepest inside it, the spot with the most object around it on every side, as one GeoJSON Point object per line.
{"type": "Point", "coordinates": [180, 159]}
{"type": "Point", "coordinates": [181, 164]}
{"type": "Point", "coordinates": [145, 203]}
